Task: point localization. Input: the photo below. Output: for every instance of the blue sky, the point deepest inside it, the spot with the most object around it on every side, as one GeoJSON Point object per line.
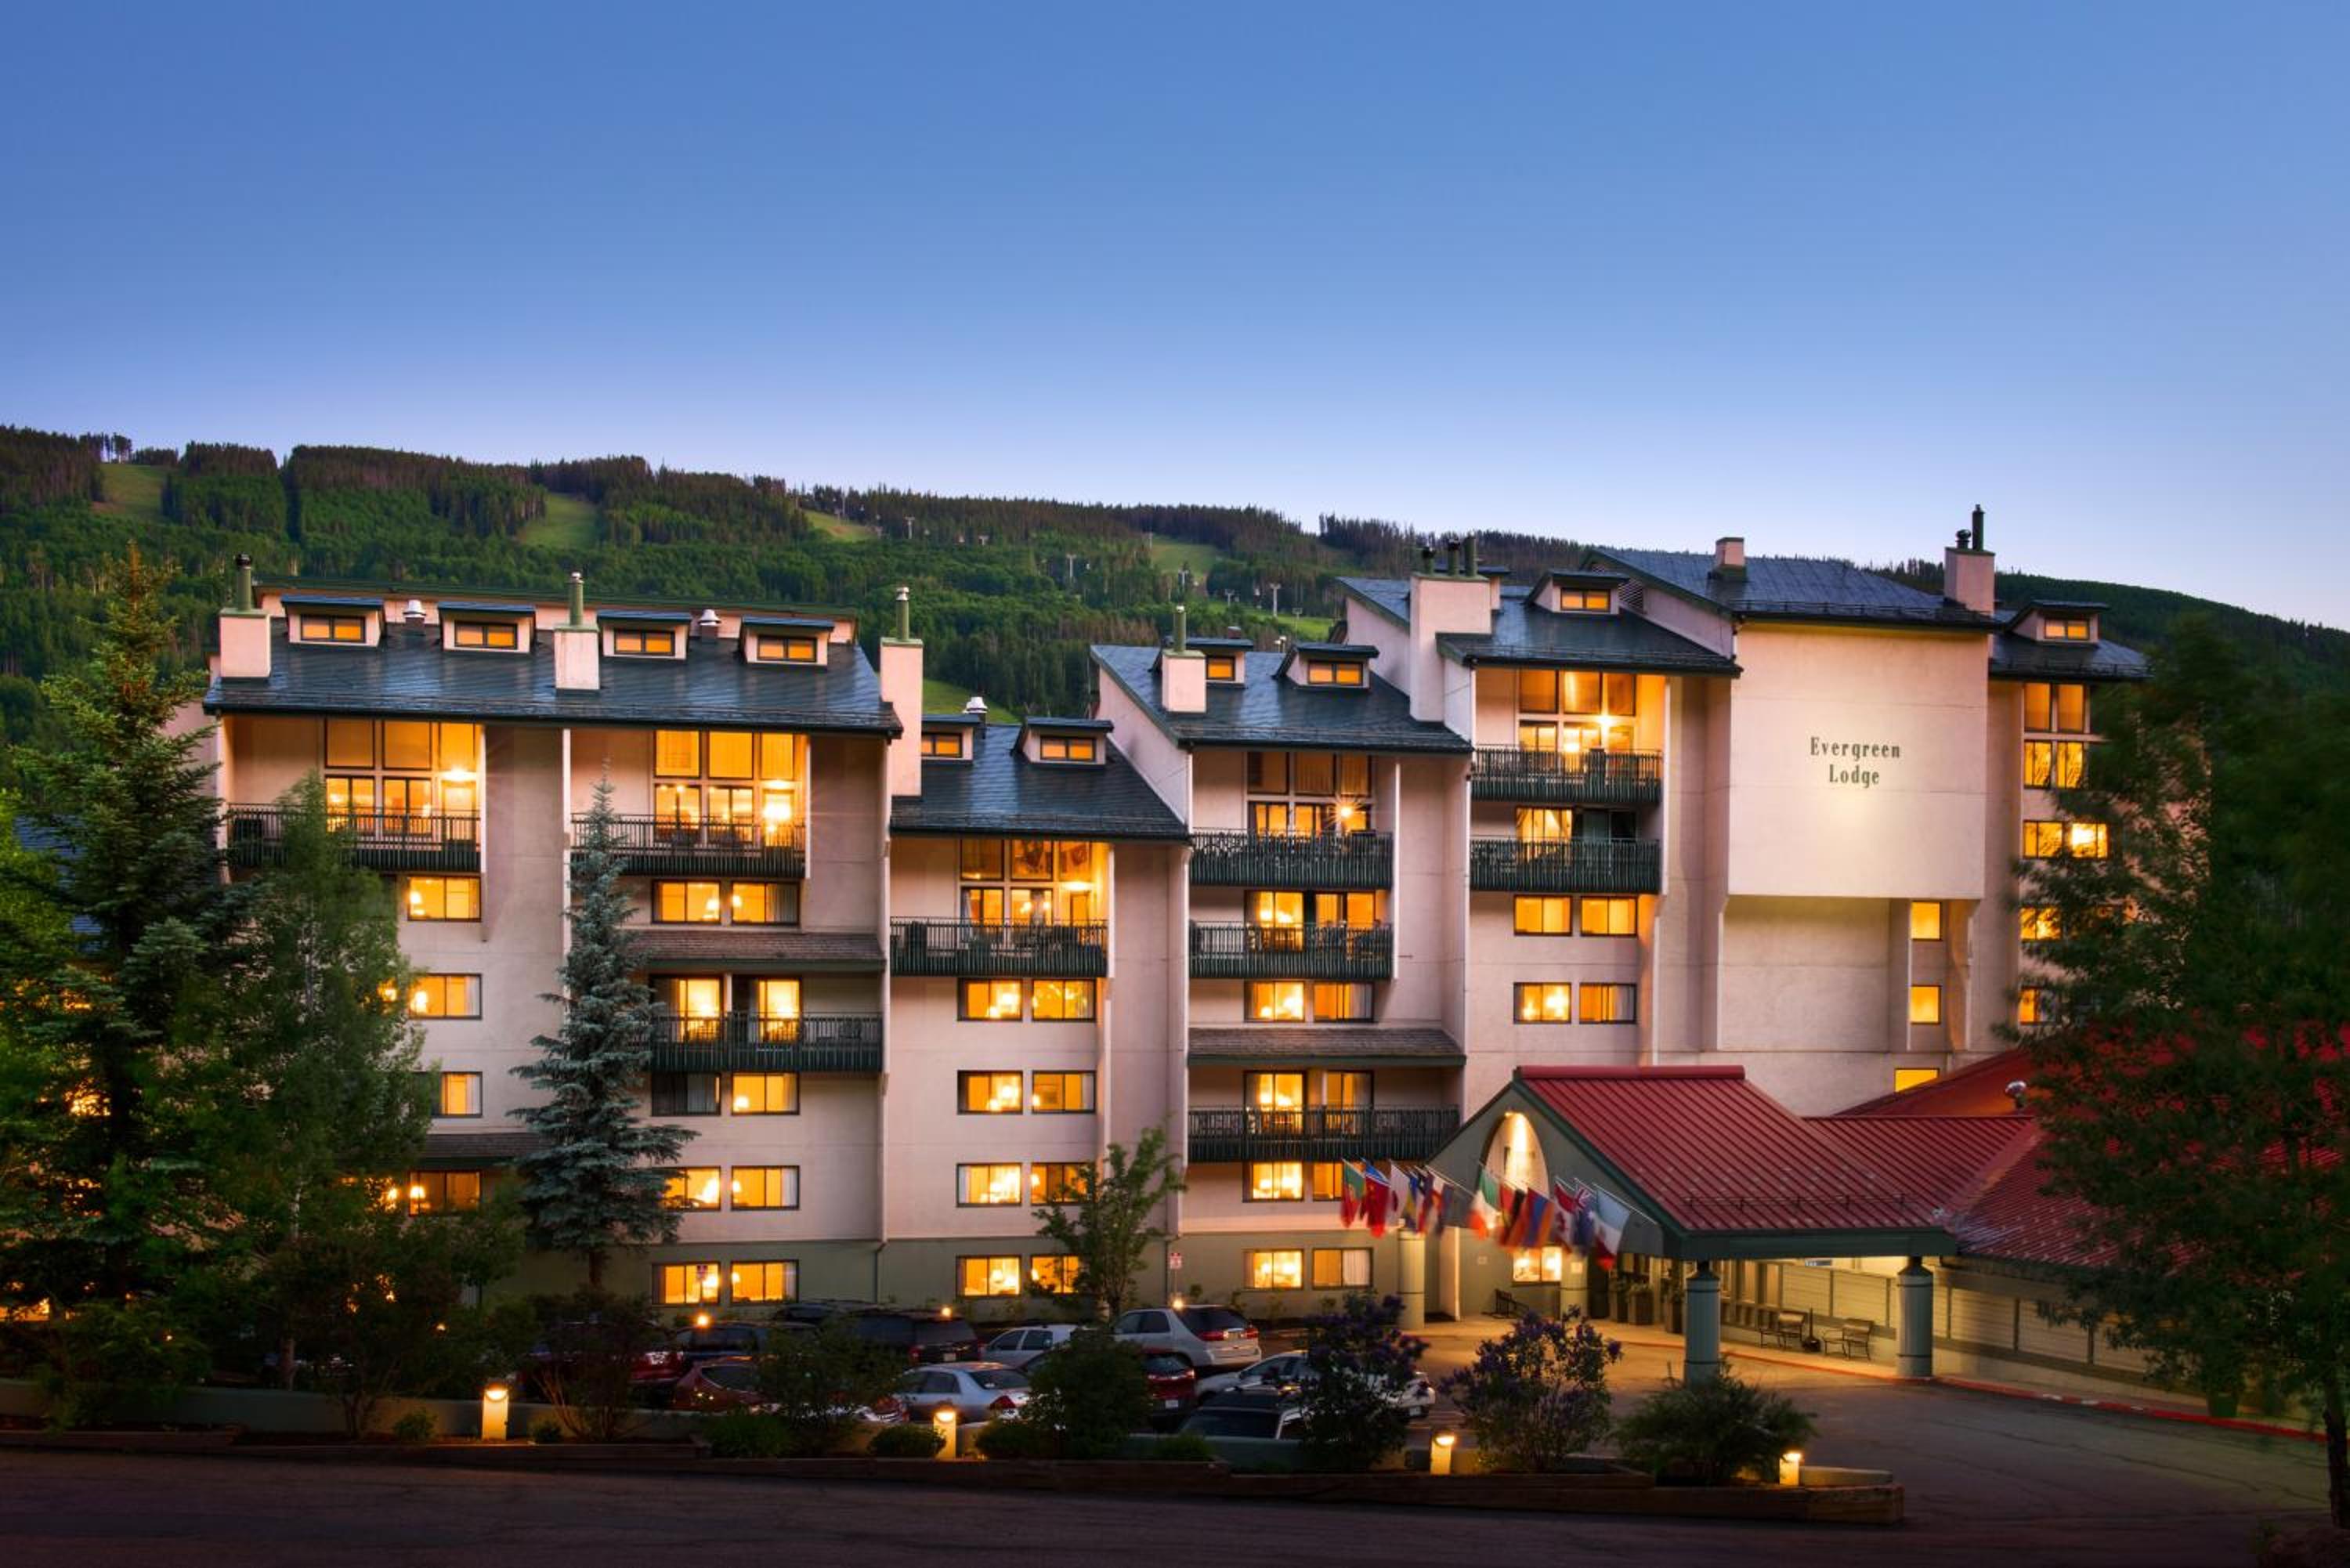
{"type": "Point", "coordinates": [1827, 276]}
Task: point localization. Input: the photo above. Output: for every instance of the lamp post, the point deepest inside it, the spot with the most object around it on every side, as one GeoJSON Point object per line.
{"type": "Point", "coordinates": [1439, 1454]}
{"type": "Point", "coordinates": [494, 1413]}
{"type": "Point", "coordinates": [1790, 1468]}
{"type": "Point", "coordinates": [943, 1420]}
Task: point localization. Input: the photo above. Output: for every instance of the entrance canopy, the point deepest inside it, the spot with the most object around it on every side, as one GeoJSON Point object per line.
{"type": "Point", "coordinates": [1712, 1167]}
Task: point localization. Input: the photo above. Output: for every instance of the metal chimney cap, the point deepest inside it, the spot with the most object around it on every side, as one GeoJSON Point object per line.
{"type": "Point", "coordinates": [414, 612]}
{"type": "Point", "coordinates": [708, 621]}
{"type": "Point", "coordinates": [977, 707]}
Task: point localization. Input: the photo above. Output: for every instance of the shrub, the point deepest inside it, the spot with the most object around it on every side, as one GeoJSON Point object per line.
{"type": "Point", "coordinates": [1537, 1395]}
{"type": "Point", "coordinates": [1017, 1439]}
{"type": "Point", "coordinates": [1358, 1360]}
{"type": "Point", "coordinates": [589, 1371]}
{"type": "Point", "coordinates": [416, 1426]}
{"type": "Point", "coordinates": [1707, 1433]}
{"type": "Point", "coordinates": [1089, 1394]}
{"type": "Point", "coordinates": [913, 1441]}
{"type": "Point", "coordinates": [818, 1383]}
{"type": "Point", "coordinates": [546, 1429]}
{"type": "Point", "coordinates": [1183, 1448]}
{"type": "Point", "coordinates": [748, 1435]}
{"type": "Point", "coordinates": [112, 1362]}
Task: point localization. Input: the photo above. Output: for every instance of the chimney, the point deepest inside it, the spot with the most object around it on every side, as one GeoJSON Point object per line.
{"type": "Point", "coordinates": [1427, 558]}
{"type": "Point", "coordinates": [901, 692]}
{"type": "Point", "coordinates": [578, 654]}
{"type": "Point", "coordinates": [1468, 554]}
{"type": "Point", "coordinates": [414, 614]}
{"type": "Point", "coordinates": [1182, 674]}
{"type": "Point", "coordinates": [244, 631]}
{"type": "Point", "coordinates": [1452, 557]}
{"type": "Point", "coordinates": [975, 708]}
{"type": "Point", "coordinates": [1730, 558]}
{"type": "Point", "coordinates": [705, 627]}
{"type": "Point", "coordinates": [1970, 579]}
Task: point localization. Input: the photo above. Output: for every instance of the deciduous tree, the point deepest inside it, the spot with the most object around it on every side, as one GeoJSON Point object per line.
{"type": "Point", "coordinates": [1110, 1220]}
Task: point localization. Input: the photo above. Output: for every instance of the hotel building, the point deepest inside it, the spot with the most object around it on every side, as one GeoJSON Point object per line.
{"type": "Point", "coordinates": [1653, 810]}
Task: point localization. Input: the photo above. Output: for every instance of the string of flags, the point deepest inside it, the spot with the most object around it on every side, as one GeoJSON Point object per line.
{"type": "Point", "coordinates": [1417, 1202]}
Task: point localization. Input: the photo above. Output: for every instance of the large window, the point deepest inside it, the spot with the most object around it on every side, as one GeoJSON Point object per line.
{"type": "Point", "coordinates": [445, 996]}
{"type": "Point", "coordinates": [1576, 710]}
{"type": "Point", "coordinates": [443, 899]}
{"type": "Point", "coordinates": [776, 1279]}
{"type": "Point", "coordinates": [497, 635]}
{"type": "Point", "coordinates": [2059, 709]}
{"type": "Point", "coordinates": [1302, 1002]}
{"type": "Point", "coordinates": [1309, 791]}
{"type": "Point", "coordinates": [1342, 1268]}
{"type": "Point", "coordinates": [1059, 1182]}
{"type": "Point", "coordinates": [694, 1186]}
{"type": "Point", "coordinates": [1068, 748]}
{"type": "Point", "coordinates": [733, 903]}
{"type": "Point", "coordinates": [396, 774]}
{"type": "Point", "coordinates": [687, 1284]}
{"type": "Point", "coordinates": [1545, 1001]}
{"type": "Point", "coordinates": [1060, 1094]}
{"type": "Point", "coordinates": [2054, 765]}
{"type": "Point", "coordinates": [783, 647]}
{"type": "Point", "coordinates": [1538, 1265]}
{"type": "Point", "coordinates": [764, 1187]}
{"type": "Point", "coordinates": [1032, 881]}
{"type": "Point", "coordinates": [988, 1093]}
{"type": "Point", "coordinates": [458, 1094]}
{"type": "Point", "coordinates": [763, 1094]}
{"type": "Point", "coordinates": [1610, 1002]}
{"type": "Point", "coordinates": [744, 782]}
{"type": "Point", "coordinates": [1278, 912]}
{"type": "Point", "coordinates": [311, 627]}
{"type": "Point", "coordinates": [1273, 1267]}
{"type": "Point", "coordinates": [443, 1191]}
{"type": "Point", "coordinates": [1045, 1001]}
{"type": "Point", "coordinates": [1336, 671]}
{"type": "Point", "coordinates": [685, 1093]}
{"type": "Point", "coordinates": [1280, 1098]}
{"type": "Point", "coordinates": [990, 1276]}
{"type": "Point", "coordinates": [644, 642]}
{"type": "Point", "coordinates": [1274, 1181]}
{"type": "Point", "coordinates": [987, 1186]}
{"type": "Point", "coordinates": [2038, 923]}
{"type": "Point", "coordinates": [2044, 839]}
{"type": "Point", "coordinates": [1053, 1275]}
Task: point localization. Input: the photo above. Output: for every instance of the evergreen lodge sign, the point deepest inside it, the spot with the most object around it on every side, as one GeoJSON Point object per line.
{"type": "Point", "coordinates": [1849, 771]}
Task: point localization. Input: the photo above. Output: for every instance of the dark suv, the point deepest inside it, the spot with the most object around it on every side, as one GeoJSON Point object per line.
{"type": "Point", "coordinates": [923, 1336]}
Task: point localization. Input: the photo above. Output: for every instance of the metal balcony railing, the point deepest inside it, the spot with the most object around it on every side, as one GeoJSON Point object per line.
{"type": "Point", "coordinates": [979, 950]}
{"type": "Point", "coordinates": [1223, 1134]}
{"type": "Point", "coordinates": [1330, 861]}
{"type": "Point", "coordinates": [1565, 865]}
{"type": "Point", "coordinates": [673, 846]}
{"type": "Point", "coordinates": [379, 840]}
{"type": "Point", "coordinates": [767, 1043]}
{"type": "Point", "coordinates": [1567, 778]}
{"type": "Point", "coordinates": [1244, 952]}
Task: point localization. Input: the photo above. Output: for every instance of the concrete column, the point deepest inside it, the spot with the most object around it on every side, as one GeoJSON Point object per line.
{"type": "Point", "coordinates": [1914, 1344]}
{"type": "Point", "coordinates": [1574, 1285]}
{"type": "Point", "coordinates": [1701, 1327]}
{"type": "Point", "coordinates": [1411, 1281]}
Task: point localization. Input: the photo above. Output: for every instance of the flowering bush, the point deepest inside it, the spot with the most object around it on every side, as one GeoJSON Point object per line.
{"type": "Point", "coordinates": [1358, 1363]}
{"type": "Point", "coordinates": [1536, 1396]}
{"type": "Point", "coordinates": [1709, 1433]}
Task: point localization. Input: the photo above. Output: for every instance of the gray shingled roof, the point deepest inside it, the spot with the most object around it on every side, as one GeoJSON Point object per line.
{"type": "Point", "coordinates": [2017, 658]}
{"type": "Point", "coordinates": [410, 674]}
{"type": "Point", "coordinates": [462, 1150]}
{"type": "Point", "coordinates": [1268, 710]}
{"type": "Point", "coordinates": [1523, 634]}
{"type": "Point", "coordinates": [1328, 1044]}
{"type": "Point", "coordinates": [744, 949]}
{"type": "Point", "coordinates": [1790, 587]}
{"type": "Point", "coordinates": [1000, 792]}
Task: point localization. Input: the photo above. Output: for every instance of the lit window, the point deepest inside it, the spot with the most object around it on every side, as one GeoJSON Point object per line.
{"type": "Point", "coordinates": [2067, 628]}
{"type": "Point", "coordinates": [1608, 1003]}
{"type": "Point", "coordinates": [2031, 1007]}
{"type": "Point", "coordinates": [1068, 749]}
{"type": "Point", "coordinates": [1326, 1181]}
{"type": "Point", "coordinates": [1053, 1275]}
{"type": "Point", "coordinates": [2062, 708]}
{"type": "Point", "coordinates": [445, 996]}
{"type": "Point", "coordinates": [1059, 1182]}
{"type": "Point", "coordinates": [1275, 1181]}
{"type": "Point", "coordinates": [1907, 1078]}
{"type": "Point", "coordinates": [1334, 672]}
{"type": "Point", "coordinates": [992, 1000]}
{"type": "Point", "coordinates": [687, 1285]}
{"type": "Point", "coordinates": [1925, 921]}
{"type": "Point", "coordinates": [1336, 1002]}
{"type": "Point", "coordinates": [332, 628]}
{"type": "Point", "coordinates": [1277, 1001]}
{"type": "Point", "coordinates": [1062, 1000]}
{"type": "Point", "coordinates": [763, 903]}
{"type": "Point", "coordinates": [1545, 917]}
{"type": "Point", "coordinates": [677, 753]}
{"type": "Point", "coordinates": [444, 898]}
{"type": "Point", "coordinates": [695, 1187]}
{"type": "Point", "coordinates": [1584, 601]}
{"type": "Point", "coordinates": [775, 1281]}
{"type": "Point", "coordinates": [443, 1191]}
{"type": "Point", "coordinates": [639, 642]}
{"type": "Point", "coordinates": [1925, 1004]}
{"type": "Point", "coordinates": [778, 1004]}
{"type": "Point", "coordinates": [2085, 840]}
{"type": "Point", "coordinates": [1538, 1265]}
{"type": "Point", "coordinates": [980, 1186]}
{"type": "Point", "coordinates": [1223, 666]}
{"type": "Point", "coordinates": [460, 1095]}
{"type": "Point", "coordinates": [2038, 922]}
{"type": "Point", "coordinates": [697, 1005]}
{"type": "Point", "coordinates": [2043, 840]}
{"type": "Point", "coordinates": [943, 744]}
{"type": "Point", "coordinates": [991, 1093]}
{"type": "Point", "coordinates": [764, 1094]}
{"type": "Point", "coordinates": [1273, 1269]}
{"type": "Point", "coordinates": [2054, 765]}
{"type": "Point", "coordinates": [494, 634]}
{"type": "Point", "coordinates": [987, 1276]}
{"type": "Point", "coordinates": [771, 648]}
{"type": "Point", "coordinates": [1611, 916]}
{"type": "Point", "coordinates": [1060, 1094]}
{"type": "Point", "coordinates": [1546, 1004]}
{"type": "Point", "coordinates": [764, 1187]}
{"type": "Point", "coordinates": [1342, 1268]}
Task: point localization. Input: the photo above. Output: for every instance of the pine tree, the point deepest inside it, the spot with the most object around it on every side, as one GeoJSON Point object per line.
{"type": "Point", "coordinates": [596, 1180]}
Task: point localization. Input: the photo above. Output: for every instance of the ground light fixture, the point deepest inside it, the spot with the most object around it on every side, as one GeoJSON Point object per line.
{"type": "Point", "coordinates": [1439, 1454]}
{"type": "Point", "coordinates": [494, 1413]}
{"type": "Point", "coordinates": [700, 1320]}
{"type": "Point", "coordinates": [1790, 1468]}
{"type": "Point", "coordinates": [942, 1421]}
{"type": "Point", "coordinates": [1175, 1302]}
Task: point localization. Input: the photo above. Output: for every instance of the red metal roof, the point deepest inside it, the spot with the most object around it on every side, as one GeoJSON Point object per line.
{"type": "Point", "coordinates": [2011, 1217]}
{"type": "Point", "coordinates": [1944, 1160]}
{"type": "Point", "coordinates": [1719, 1155]}
{"type": "Point", "coordinates": [1977, 1090]}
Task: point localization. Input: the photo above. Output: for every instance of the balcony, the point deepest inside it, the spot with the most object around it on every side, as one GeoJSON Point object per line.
{"type": "Point", "coordinates": [1565, 865]}
{"type": "Point", "coordinates": [379, 840]}
{"type": "Point", "coordinates": [765, 1043]}
{"type": "Point", "coordinates": [1326, 861]}
{"type": "Point", "coordinates": [1567, 778]}
{"type": "Point", "coordinates": [981, 951]}
{"type": "Point", "coordinates": [1241, 951]}
{"type": "Point", "coordinates": [1229, 1133]}
{"type": "Point", "coordinates": [668, 846]}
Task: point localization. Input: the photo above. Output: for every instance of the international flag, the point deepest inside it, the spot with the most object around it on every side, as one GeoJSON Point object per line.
{"type": "Point", "coordinates": [1375, 1199]}
{"type": "Point", "coordinates": [1531, 1227]}
{"type": "Point", "coordinates": [1484, 1215]}
{"type": "Point", "coordinates": [1351, 1189]}
{"type": "Point", "coordinates": [1608, 1217]}
{"type": "Point", "coordinates": [1458, 1206]}
{"type": "Point", "coordinates": [1566, 1207]}
{"type": "Point", "coordinates": [1431, 1203]}
{"type": "Point", "coordinates": [1398, 1199]}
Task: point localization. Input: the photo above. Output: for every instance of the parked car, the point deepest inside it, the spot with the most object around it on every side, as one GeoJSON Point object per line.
{"type": "Point", "coordinates": [1016, 1347]}
{"type": "Point", "coordinates": [727, 1383]}
{"type": "Point", "coordinates": [728, 1340]}
{"type": "Point", "coordinates": [925, 1339]}
{"type": "Point", "coordinates": [1292, 1373]}
{"type": "Point", "coordinates": [1173, 1381]}
{"type": "Point", "coordinates": [1209, 1337]}
{"type": "Point", "coordinates": [569, 1346]}
{"type": "Point", "coordinates": [1271, 1416]}
{"type": "Point", "coordinates": [978, 1391]}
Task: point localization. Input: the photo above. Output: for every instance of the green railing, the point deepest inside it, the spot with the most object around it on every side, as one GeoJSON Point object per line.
{"type": "Point", "coordinates": [765, 1043]}
{"type": "Point", "coordinates": [672, 846]}
{"type": "Point", "coordinates": [1225, 1134]}
{"type": "Point", "coordinates": [980, 950]}
{"type": "Point", "coordinates": [1565, 865]}
{"type": "Point", "coordinates": [379, 840]}
{"type": "Point", "coordinates": [1333, 861]}
{"type": "Point", "coordinates": [1567, 778]}
{"type": "Point", "coordinates": [1242, 951]}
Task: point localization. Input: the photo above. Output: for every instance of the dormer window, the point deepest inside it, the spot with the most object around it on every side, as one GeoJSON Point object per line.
{"type": "Point", "coordinates": [783, 647]}
{"type": "Point", "coordinates": [2068, 629]}
{"type": "Point", "coordinates": [1224, 668]}
{"type": "Point", "coordinates": [945, 745]}
{"type": "Point", "coordinates": [644, 642]}
{"type": "Point", "coordinates": [1336, 672]}
{"type": "Point", "coordinates": [1068, 749]}
{"type": "Point", "coordinates": [504, 636]}
{"type": "Point", "coordinates": [1586, 601]}
{"type": "Point", "coordinates": [313, 626]}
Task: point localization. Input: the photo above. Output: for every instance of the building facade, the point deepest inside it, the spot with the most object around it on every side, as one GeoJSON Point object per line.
{"type": "Point", "coordinates": [1294, 905]}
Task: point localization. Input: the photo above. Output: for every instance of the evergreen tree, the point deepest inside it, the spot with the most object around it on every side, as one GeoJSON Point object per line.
{"type": "Point", "coordinates": [1107, 1223]}
{"type": "Point", "coordinates": [2194, 1088]}
{"type": "Point", "coordinates": [110, 944]}
{"type": "Point", "coordinates": [595, 1181]}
